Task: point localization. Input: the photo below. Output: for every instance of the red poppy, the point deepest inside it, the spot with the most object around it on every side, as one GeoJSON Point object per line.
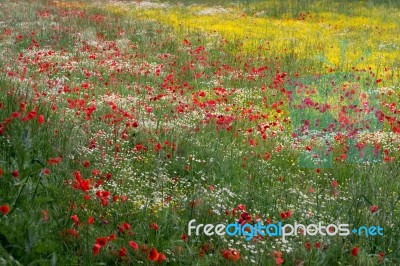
{"type": "Point", "coordinates": [381, 257]}
{"type": "Point", "coordinates": [231, 254]}
{"type": "Point", "coordinates": [354, 251]}
{"type": "Point", "coordinates": [5, 209]}
{"type": "Point", "coordinates": [161, 258]}
{"type": "Point", "coordinates": [96, 172]}
{"type": "Point", "coordinates": [90, 220]}
{"type": "Point", "coordinates": [154, 226]}
{"type": "Point", "coordinates": [138, 147]}
{"type": "Point", "coordinates": [73, 232]}
{"type": "Point", "coordinates": [112, 237]}
{"type": "Point", "coordinates": [124, 227]}
{"type": "Point", "coordinates": [15, 173]}
{"type": "Point", "coordinates": [286, 215]}
{"type": "Point", "coordinates": [279, 261]}
{"type": "Point", "coordinates": [92, 144]}
{"type": "Point", "coordinates": [40, 119]}
{"type": "Point", "coordinates": [153, 255]}
{"type": "Point", "coordinates": [157, 147]}
{"type": "Point", "coordinates": [53, 161]}
{"type": "Point", "coordinates": [46, 171]}
{"type": "Point", "coordinates": [108, 176]}
{"type": "Point", "coordinates": [276, 254]}
{"type": "Point", "coordinates": [84, 185]}
{"type": "Point", "coordinates": [1, 172]}
{"type": "Point", "coordinates": [96, 249]}
{"type": "Point", "coordinates": [184, 237]}
{"type": "Point", "coordinates": [373, 208]}
{"type": "Point", "coordinates": [15, 114]}
{"type": "Point", "coordinates": [22, 106]}
{"type": "Point", "coordinates": [102, 241]}
{"type": "Point", "coordinates": [122, 252]}
{"type": "Point", "coordinates": [167, 199]}
{"type": "Point", "coordinates": [133, 245]}
{"type": "Point", "coordinates": [75, 219]}
{"type": "Point", "coordinates": [31, 114]}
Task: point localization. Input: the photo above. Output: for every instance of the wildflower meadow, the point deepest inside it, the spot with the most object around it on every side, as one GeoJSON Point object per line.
{"type": "Point", "coordinates": [200, 132]}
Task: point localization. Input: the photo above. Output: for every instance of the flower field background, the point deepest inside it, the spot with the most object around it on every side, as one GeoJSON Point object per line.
{"type": "Point", "coordinates": [121, 121]}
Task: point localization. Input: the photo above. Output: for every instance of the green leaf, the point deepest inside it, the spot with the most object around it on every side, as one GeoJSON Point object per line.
{"type": "Point", "coordinates": [40, 200]}
{"type": "Point", "coordinates": [45, 246]}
